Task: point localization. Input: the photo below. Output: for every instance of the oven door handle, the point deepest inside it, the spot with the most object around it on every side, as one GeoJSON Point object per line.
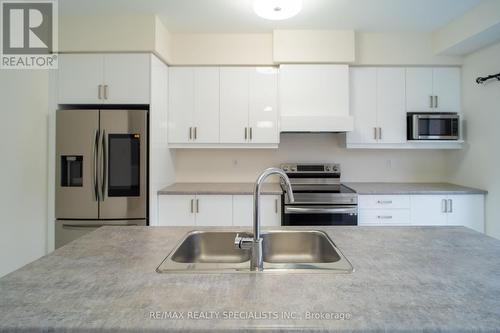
{"type": "Point", "coordinates": [320, 210]}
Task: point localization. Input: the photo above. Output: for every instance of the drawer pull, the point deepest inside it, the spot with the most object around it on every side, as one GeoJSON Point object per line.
{"type": "Point", "coordinates": [384, 217]}
{"type": "Point", "coordinates": [384, 202]}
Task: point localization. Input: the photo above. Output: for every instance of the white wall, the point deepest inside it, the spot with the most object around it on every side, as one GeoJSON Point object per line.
{"type": "Point", "coordinates": [221, 49]}
{"type": "Point", "coordinates": [357, 165]}
{"type": "Point", "coordinates": [257, 49]}
{"type": "Point", "coordinates": [479, 163]}
{"type": "Point", "coordinates": [23, 197]}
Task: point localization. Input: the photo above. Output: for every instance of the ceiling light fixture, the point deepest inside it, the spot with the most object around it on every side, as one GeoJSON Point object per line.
{"type": "Point", "coordinates": [277, 9]}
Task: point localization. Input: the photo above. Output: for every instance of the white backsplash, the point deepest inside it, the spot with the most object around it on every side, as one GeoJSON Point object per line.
{"type": "Point", "coordinates": [243, 165]}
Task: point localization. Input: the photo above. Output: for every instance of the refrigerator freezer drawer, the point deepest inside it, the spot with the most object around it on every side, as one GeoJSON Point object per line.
{"type": "Point", "coordinates": [69, 230]}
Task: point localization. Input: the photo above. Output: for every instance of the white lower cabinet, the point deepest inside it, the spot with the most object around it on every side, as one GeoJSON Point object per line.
{"type": "Point", "coordinates": [176, 210]}
{"type": "Point", "coordinates": [422, 210]}
{"type": "Point", "coordinates": [217, 210]}
{"type": "Point", "coordinates": [461, 210]}
{"type": "Point", "coordinates": [270, 210]}
{"type": "Point", "coordinates": [214, 210]}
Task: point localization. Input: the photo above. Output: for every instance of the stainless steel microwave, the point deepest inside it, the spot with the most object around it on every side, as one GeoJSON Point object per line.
{"type": "Point", "coordinates": [433, 126]}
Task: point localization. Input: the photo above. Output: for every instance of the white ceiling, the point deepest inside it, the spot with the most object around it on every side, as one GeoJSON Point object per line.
{"type": "Point", "coordinates": [237, 15]}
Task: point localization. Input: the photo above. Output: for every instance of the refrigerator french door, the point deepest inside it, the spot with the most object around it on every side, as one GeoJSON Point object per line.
{"type": "Point", "coordinates": [101, 170]}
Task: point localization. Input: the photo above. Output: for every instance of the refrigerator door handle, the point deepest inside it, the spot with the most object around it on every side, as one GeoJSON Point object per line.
{"type": "Point", "coordinates": [95, 153]}
{"type": "Point", "coordinates": [103, 166]}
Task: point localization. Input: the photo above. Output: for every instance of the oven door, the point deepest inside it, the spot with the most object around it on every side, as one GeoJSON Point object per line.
{"type": "Point", "coordinates": [319, 215]}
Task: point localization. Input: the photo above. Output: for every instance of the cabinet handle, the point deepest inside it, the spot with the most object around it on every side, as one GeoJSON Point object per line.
{"type": "Point", "coordinates": [375, 133]}
{"type": "Point", "coordinates": [246, 131]}
{"type": "Point", "coordinates": [431, 104]}
{"type": "Point", "coordinates": [444, 206]}
{"type": "Point", "coordinates": [384, 202]}
{"type": "Point", "coordinates": [196, 133]}
{"type": "Point", "coordinates": [99, 91]}
{"type": "Point", "coordinates": [190, 133]}
{"type": "Point", "coordinates": [192, 205]}
{"type": "Point", "coordinates": [436, 101]}
{"type": "Point", "coordinates": [197, 205]}
{"type": "Point", "coordinates": [105, 91]}
{"type": "Point", "coordinates": [450, 206]}
{"type": "Point", "coordinates": [384, 217]}
{"type": "Point", "coordinates": [276, 206]}
{"type": "Point", "coordinates": [251, 133]}
{"type": "Point", "coordinates": [380, 133]}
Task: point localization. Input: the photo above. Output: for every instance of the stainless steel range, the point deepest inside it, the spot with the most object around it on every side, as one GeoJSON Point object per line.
{"type": "Point", "coordinates": [320, 198]}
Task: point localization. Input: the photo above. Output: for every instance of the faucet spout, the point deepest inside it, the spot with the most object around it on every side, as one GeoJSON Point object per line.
{"type": "Point", "coordinates": [256, 262]}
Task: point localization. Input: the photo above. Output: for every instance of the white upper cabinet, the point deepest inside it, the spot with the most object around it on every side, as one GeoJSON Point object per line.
{"type": "Point", "coordinates": [363, 91]}
{"type": "Point", "coordinates": [104, 79]}
{"type": "Point", "coordinates": [206, 111]}
{"type": "Point", "coordinates": [446, 88]}
{"type": "Point", "coordinates": [419, 95]}
{"type": "Point", "coordinates": [193, 105]}
{"type": "Point", "coordinates": [433, 89]}
{"type": "Point", "coordinates": [391, 116]}
{"type": "Point", "coordinates": [80, 77]}
{"type": "Point", "coordinates": [378, 105]}
{"type": "Point", "coordinates": [181, 104]}
{"type": "Point", "coordinates": [127, 78]}
{"type": "Point", "coordinates": [263, 108]}
{"type": "Point", "coordinates": [234, 104]}
{"type": "Point", "coordinates": [249, 105]}
{"type": "Point", "coordinates": [314, 98]}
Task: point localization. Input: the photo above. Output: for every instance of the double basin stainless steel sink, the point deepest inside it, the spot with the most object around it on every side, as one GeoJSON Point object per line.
{"type": "Point", "coordinates": [283, 251]}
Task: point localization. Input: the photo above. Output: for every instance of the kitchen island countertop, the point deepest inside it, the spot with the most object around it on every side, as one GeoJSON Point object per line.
{"type": "Point", "coordinates": [406, 279]}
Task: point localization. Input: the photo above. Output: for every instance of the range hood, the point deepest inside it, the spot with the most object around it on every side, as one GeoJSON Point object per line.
{"type": "Point", "coordinates": [315, 98]}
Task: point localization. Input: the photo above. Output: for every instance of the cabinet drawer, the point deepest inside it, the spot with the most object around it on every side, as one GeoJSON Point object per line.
{"type": "Point", "coordinates": [384, 216]}
{"type": "Point", "coordinates": [384, 201]}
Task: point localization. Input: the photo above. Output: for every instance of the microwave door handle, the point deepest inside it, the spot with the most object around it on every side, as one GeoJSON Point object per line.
{"type": "Point", "coordinates": [415, 127]}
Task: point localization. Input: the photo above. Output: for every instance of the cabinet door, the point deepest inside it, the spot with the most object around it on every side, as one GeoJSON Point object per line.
{"type": "Point", "coordinates": [234, 94]}
{"type": "Point", "coordinates": [391, 114]}
{"type": "Point", "coordinates": [363, 94]}
{"type": "Point", "coordinates": [79, 78]}
{"type": "Point", "coordinates": [206, 111]}
{"type": "Point", "coordinates": [446, 88]}
{"type": "Point", "coordinates": [181, 104]}
{"type": "Point", "coordinates": [428, 210]}
{"type": "Point", "coordinates": [176, 210]}
{"type": "Point", "coordinates": [466, 210]}
{"type": "Point", "coordinates": [243, 210]}
{"type": "Point", "coordinates": [418, 89]}
{"type": "Point", "coordinates": [127, 78]}
{"type": "Point", "coordinates": [214, 210]}
{"type": "Point", "coordinates": [270, 210]}
{"type": "Point", "coordinates": [263, 105]}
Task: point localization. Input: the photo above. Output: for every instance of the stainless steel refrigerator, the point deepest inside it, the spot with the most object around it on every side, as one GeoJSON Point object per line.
{"type": "Point", "coordinates": [101, 170]}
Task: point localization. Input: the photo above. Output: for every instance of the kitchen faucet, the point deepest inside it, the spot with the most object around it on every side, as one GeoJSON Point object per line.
{"type": "Point", "coordinates": [255, 243]}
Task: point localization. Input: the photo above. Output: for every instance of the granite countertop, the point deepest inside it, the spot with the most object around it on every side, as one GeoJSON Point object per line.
{"type": "Point", "coordinates": [406, 279]}
{"type": "Point", "coordinates": [362, 188]}
{"type": "Point", "coordinates": [219, 188]}
{"type": "Point", "coordinates": [412, 188]}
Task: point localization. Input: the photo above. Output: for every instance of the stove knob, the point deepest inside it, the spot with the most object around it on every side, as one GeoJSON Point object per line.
{"type": "Point", "coordinates": [294, 169]}
{"type": "Point", "coordinates": [285, 168]}
{"type": "Point", "coordinates": [328, 169]}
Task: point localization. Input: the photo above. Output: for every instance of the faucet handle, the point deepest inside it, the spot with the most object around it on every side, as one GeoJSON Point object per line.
{"type": "Point", "coordinates": [241, 242]}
